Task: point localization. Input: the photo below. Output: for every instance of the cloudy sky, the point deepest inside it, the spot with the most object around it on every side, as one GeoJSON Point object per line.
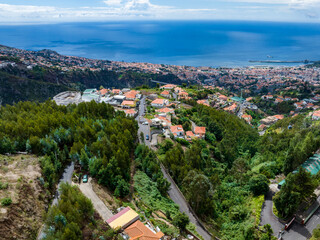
{"type": "Point", "coordinates": [43, 11]}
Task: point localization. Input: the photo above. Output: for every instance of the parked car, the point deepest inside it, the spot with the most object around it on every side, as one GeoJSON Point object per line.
{"type": "Point", "coordinates": [145, 123]}
{"type": "Point", "coordinates": [85, 178]}
{"type": "Point", "coordinates": [147, 137]}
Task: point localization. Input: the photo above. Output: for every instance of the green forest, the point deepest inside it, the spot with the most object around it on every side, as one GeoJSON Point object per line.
{"type": "Point", "coordinates": [74, 218]}
{"type": "Point", "coordinates": [223, 176]}
{"type": "Point", "coordinates": [17, 83]}
{"type": "Point", "coordinates": [95, 135]}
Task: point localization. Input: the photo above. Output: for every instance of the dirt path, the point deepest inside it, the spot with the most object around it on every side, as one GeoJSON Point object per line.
{"type": "Point", "coordinates": [100, 207]}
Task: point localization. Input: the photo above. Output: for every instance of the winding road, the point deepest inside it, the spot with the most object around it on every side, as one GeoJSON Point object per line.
{"type": "Point", "coordinates": [173, 192]}
{"type": "Point", "coordinates": [179, 199]}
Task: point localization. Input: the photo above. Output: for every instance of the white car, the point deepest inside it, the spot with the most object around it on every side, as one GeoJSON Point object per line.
{"type": "Point", "coordinates": [145, 123]}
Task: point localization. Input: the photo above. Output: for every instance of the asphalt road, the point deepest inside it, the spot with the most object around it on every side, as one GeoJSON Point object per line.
{"type": "Point", "coordinates": [143, 128]}
{"type": "Point", "coordinates": [173, 192]}
{"type": "Point", "coordinates": [177, 197]}
{"type": "Point", "coordinates": [267, 216]}
{"type": "Point", "coordinates": [296, 230]}
{"type": "Point", "coordinates": [66, 178]}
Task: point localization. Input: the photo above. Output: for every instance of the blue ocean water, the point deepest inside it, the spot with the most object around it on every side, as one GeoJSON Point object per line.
{"type": "Point", "coordinates": [194, 43]}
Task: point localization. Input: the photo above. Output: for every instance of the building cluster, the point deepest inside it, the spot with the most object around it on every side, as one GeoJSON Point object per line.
{"type": "Point", "coordinates": [248, 78]}
{"type": "Point", "coordinates": [123, 100]}
{"type": "Point", "coordinates": [128, 222]}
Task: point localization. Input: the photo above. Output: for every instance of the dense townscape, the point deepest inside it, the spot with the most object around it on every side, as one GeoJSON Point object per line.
{"type": "Point", "coordinates": [208, 153]}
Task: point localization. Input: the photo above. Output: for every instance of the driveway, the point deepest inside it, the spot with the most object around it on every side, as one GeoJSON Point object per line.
{"type": "Point", "coordinates": [100, 207]}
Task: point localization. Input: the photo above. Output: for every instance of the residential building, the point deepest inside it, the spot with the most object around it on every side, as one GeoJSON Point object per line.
{"type": "Point", "coordinates": [204, 102]}
{"type": "Point", "coordinates": [231, 108]}
{"type": "Point", "coordinates": [165, 110]}
{"type": "Point", "coordinates": [128, 104]}
{"type": "Point", "coordinates": [316, 115]}
{"type": "Point", "coordinates": [168, 86]}
{"type": "Point", "coordinates": [131, 95]}
{"type": "Point", "coordinates": [177, 131]}
{"type": "Point", "coordinates": [247, 118]}
{"type": "Point", "coordinates": [199, 132]}
{"type": "Point", "coordinates": [165, 94]}
{"type": "Point", "coordinates": [123, 218]}
{"type": "Point", "coordinates": [90, 91]}
{"type": "Point", "coordinates": [139, 231]}
{"type": "Point", "coordinates": [183, 95]}
{"type": "Point", "coordinates": [189, 136]}
{"type": "Point", "coordinates": [130, 112]}
{"type": "Point", "coordinates": [159, 103]}
{"type": "Point", "coordinates": [103, 92]}
{"type": "Point", "coordinates": [116, 91]}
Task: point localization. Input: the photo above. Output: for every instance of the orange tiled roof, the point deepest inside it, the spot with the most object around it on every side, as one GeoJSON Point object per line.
{"type": "Point", "coordinates": [247, 117]}
{"type": "Point", "coordinates": [200, 130]}
{"type": "Point", "coordinates": [279, 116]}
{"type": "Point", "coordinates": [165, 92]}
{"type": "Point", "coordinates": [138, 230]}
{"type": "Point", "coordinates": [103, 91]}
{"type": "Point", "coordinates": [316, 113]}
{"type": "Point", "coordinates": [165, 110]}
{"type": "Point", "coordinates": [130, 111]}
{"type": "Point", "coordinates": [177, 128]}
{"type": "Point", "coordinates": [131, 103]}
{"type": "Point", "coordinates": [158, 101]}
{"type": "Point", "coordinates": [189, 134]}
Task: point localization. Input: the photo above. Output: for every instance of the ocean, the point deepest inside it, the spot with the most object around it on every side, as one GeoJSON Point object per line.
{"type": "Point", "coordinates": [192, 43]}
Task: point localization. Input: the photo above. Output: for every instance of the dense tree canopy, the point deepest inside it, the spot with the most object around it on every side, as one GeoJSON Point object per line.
{"type": "Point", "coordinates": [94, 135]}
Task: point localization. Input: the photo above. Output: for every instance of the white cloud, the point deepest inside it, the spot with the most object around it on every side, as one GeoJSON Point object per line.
{"type": "Point", "coordinates": [113, 2]}
{"type": "Point", "coordinates": [114, 9]}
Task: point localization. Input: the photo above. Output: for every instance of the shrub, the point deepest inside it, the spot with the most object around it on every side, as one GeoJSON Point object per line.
{"type": "Point", "coordinates": [3, 185]}
{"type": "Point", "coordinates": [6, 201]}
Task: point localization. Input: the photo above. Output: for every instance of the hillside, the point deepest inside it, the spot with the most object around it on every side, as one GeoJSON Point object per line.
{"type": "Point", "coordinates": [20, 182]}
{"type": "Point", "coordinates": [19, 82]}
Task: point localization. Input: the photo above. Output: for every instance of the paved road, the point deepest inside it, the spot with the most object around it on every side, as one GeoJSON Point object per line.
{"type": "Point", "coordinates": [143, 128]}
{"type": "Point", "coordinates": [302, 232]}
{"type": "Point", "coordinates": [178, 198]}
{"type": "Point", "coordinates": [267, 216]}
{"type": "Point", "coordinates": [66, 178]}
{"type": "Point", "coordinates": [99, 206]}
{"type": "Point", "coordinates": [173, 192]}
{"type": "Point", "coordinates": [296, 230]}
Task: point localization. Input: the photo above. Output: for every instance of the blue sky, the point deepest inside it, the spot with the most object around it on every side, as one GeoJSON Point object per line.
{"type": "Point", "coordinates": [38, 11]}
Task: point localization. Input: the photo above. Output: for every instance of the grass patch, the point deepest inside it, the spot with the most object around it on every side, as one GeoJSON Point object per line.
{"type": "Point", "coordinates": [275, 211]}
{"type": "Point", "coordinates": [256, 204]}
{"type": "Point", "coordinates": [148, 192]}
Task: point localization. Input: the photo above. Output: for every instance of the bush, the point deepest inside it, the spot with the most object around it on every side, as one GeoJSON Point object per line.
{"type": "Point", "coordinates": [183, 142]}
{"type": "Point", "coordinates": [6, 201]}
{"type": "Point", "coordinates": [3, 185]}
{"type": "Point", "coordinates": [259, 184]}
{"type": "Point", "coordinates": [181, 220]}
